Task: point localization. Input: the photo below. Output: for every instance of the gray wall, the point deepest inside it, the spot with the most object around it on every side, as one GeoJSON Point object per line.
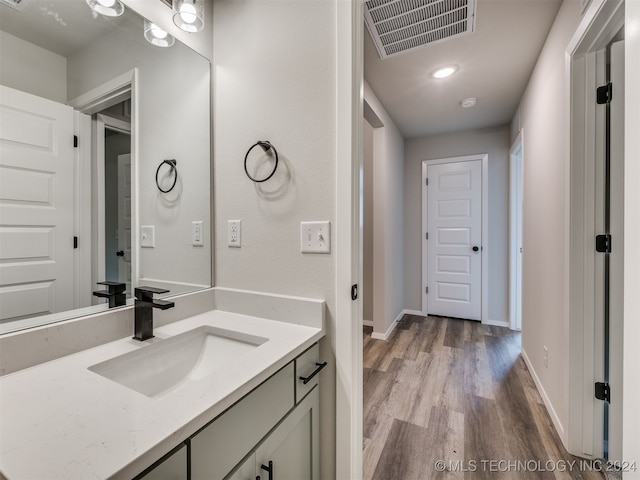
{"type": "Point", "coordinates": [275, 79]}
{"type": "Point", "coordinates": [23, 66]}
{"type": "Point", "coordinates": [388, 222]}
{"type": "Point", "coordinates": [496, 143]}
{"type": "Point", "coordinates": [542, 116]}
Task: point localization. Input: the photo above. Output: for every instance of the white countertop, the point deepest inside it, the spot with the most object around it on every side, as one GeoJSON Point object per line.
{"type": "Point", "coordinates": [58, 420]}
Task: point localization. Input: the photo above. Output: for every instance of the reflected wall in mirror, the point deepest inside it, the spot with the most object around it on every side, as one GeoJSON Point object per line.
{"type": "Point", "coordinates": [66, 219]}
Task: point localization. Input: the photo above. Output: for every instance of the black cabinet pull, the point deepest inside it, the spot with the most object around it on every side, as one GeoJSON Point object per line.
{"type": "Point", "coordinates": [320, 366]}
{"type": "Point", "coordinates": [268, 469]}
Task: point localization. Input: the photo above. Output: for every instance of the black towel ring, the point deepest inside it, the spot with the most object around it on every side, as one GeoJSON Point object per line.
{"type": "Point", "coordinates": [172, 163]}
{"type": "Point", "coordinates": [266, 146]}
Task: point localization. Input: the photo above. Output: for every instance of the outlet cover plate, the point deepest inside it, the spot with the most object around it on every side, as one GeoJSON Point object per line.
{"type": "Point", "coordinates": [234, 233]}
{"type": "Point", "coordinates": [315, 237]}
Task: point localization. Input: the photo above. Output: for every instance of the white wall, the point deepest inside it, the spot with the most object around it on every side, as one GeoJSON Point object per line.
{"type": "Point", "coordinates": [544, 290]}
{"type": "Point", "coordinates": [275, 79]}
{"type": "Point", "coordinates": [494, 142]}
{"type": "Point", "coordinates": [22, 65]}
{"type": "Point", "coordinates": [388, 220]}
{"type": "Point", "coordinates": [173, 123]}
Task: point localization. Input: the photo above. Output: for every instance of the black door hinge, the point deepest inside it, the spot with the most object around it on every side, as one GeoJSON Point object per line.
{"type": "Point", "coordinates": [603, 391]}
{"type": "Point", "coordinates": [75, 242]}
{"type": "Point", "coordinates": [604, 94]}
{"type": "Point", "coordinates": [603, 243]}
{"type": "Point", "coordinates": [426, 290]}
{"type": "Point", "coordinates": [75, 141]}
{"type": "Point", "coordinates": [354, 292]}
{"type": "Point", "coordinates": [426, 181]}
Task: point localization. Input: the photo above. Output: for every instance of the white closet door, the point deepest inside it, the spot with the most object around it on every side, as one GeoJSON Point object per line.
{"type": "Point", "coordinates": [454, 203]}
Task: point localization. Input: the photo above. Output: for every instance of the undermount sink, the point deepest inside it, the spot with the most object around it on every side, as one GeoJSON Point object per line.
{"type": "Point", "coordinates": [164, 366]}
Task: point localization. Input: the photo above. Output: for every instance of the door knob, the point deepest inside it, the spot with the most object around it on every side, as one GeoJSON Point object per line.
{"type": "Point", "coordinates": [120, 253]}
{"type": "Point", "coordinates": [475, 248]}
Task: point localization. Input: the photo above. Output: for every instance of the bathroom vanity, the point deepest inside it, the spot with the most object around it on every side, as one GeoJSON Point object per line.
{"type": "Point", "coordinates": [228, 393]}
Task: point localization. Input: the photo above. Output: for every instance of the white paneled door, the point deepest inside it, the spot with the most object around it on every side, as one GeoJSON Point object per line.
{"type": "Point", "coordinates": [124, 220]}
{"type": "Point", "coordinates": [454, 227]}
{"type": "Point", "coordinates": [36, 205]}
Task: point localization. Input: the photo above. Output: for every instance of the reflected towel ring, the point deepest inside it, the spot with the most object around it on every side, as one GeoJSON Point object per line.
{"type": "Point", "coordinates": [266, 146]}
{"type": "Point", "coordinates": [172, 163]}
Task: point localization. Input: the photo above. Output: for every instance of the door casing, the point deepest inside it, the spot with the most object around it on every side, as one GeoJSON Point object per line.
{"type": "Point", "coordinates": [601, 22]}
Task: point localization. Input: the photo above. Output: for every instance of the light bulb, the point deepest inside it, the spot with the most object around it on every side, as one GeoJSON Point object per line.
{"type": "Point", "coordinates": [444, 72]}
{"type": "Point", "coordinates": [188, 13]}
{"type": "Point", "coordinates": [107, 3]}
{"type": "Point", "coordinates": [157, 32]}
{"type": "Point", "coordinates": [156, 35]}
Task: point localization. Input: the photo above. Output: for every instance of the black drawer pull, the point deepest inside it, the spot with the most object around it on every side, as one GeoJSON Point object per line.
{"type": "Point", "coordinates": [268, 469]}
{"type": "Point", "coordinates": [320, 366]}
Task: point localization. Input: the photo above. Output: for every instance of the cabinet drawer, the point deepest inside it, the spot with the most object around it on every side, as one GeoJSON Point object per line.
{"type": "Point", "coordinates": [219, 447]}
{"type": "Point", "coordinates": [306, 365]}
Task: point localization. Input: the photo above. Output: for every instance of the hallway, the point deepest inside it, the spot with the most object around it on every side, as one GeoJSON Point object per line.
{"type": "Point", "coordinates": [458, 392]}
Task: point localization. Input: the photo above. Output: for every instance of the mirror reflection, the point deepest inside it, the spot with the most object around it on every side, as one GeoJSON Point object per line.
{"type": "Point", "coordinates": [108, 208]}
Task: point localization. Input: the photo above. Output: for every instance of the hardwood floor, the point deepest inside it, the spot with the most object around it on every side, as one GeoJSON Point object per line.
{"type": "Point", "coordinates": [453, 399]}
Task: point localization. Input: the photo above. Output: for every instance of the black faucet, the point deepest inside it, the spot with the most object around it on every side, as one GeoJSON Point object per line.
{"type": "Point", "coordinates": [143, 312]}
{"type": "Point", "coordinates": [115, 293]}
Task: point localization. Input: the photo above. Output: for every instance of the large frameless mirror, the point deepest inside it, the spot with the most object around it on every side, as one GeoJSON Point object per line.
{"type": "Point", "coordinates": [104, 162]}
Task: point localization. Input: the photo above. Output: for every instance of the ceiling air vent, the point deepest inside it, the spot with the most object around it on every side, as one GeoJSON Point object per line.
{"type": "Point", "coordinates": [16, 4]}
{"type": "Point", "coordinates": [398, 26]}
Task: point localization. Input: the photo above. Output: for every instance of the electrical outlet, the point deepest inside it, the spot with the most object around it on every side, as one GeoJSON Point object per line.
{"type": "Point", "coordinates": [197, 234]}
{"type": "Point", "coordinates": [234, 233]}
{"type": "Point", "coordinates": [546, 357]}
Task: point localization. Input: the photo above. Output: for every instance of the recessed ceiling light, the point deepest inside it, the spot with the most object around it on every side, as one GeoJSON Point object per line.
{"type": "Point", "coordinates": [468, 102]}
{"type": "Point", "coordinates": [445, 72]}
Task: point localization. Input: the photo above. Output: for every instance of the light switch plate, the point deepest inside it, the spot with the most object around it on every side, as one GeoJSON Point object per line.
{"type": "Point", "coordinates": [315, 237]}
{"type": "Point", "coordinates": [147, 236]}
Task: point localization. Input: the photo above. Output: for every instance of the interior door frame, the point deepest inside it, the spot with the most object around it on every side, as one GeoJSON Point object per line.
{"type": "Point", "coordinates": [484, 157]}
{"type": "Point", "coordinates": [110, 93]}
{"type": "Point", "coordinates": [515, 223]}
{"type": "Point", "coordinates": [103, 122]}
{"type": "Point", "coordinates": [600, 23]}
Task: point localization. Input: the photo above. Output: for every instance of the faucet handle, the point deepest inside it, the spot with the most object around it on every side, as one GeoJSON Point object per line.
{"type": "Point", "coordinates": [145, 294]}
{"type": "Point", "coordinates": [114, 292]}
{"type": "Point", "coordinates": [114, 287]}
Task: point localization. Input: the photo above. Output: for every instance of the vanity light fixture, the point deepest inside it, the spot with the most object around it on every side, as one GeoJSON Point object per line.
{"type": "Point", "coordinates": [157, 36]}
{"type": "Point", "coordinates": [444, 72]}
{"type": "Point", "coordinates": [109, 8]}
{"type": "Point", "coordinates": [189, 15]}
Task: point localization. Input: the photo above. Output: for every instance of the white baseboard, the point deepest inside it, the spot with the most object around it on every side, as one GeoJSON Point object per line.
{"type": "Point", "coordinates": [496, 323]}
{"type": "Point", "coordinates": [545, 398]}
{"type": "Point", "coordinates": [413, 312]}
{"type": "Point", "coordinates": [385, 336]}
{"type": "Point", "coordinates": [367, 323]}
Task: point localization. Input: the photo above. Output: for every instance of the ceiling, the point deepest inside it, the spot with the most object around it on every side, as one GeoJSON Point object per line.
{"type": "Point", "coordinates": [494, 65]}
{"type": "Point", "coordinates": [60, 26]}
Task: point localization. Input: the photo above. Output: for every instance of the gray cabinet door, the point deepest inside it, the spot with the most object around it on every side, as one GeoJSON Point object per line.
{"type": "Point", "coordinates": [172, 468]}
{"type": "Point", "coordinates": [293, 447]}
